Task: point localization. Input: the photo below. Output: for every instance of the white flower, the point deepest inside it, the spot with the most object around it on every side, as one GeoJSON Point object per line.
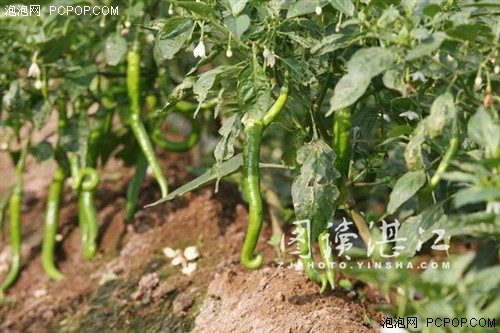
{"type": "Point", "coordinates": [418, 76]}
{"type": "Point", "coordinates": [386, 117]}
{"type": "Point", "coordinates": [410, 115]}
{"type": "Point", "coordinates": [191, 253]}
{"type": "Point", "coordinates": [493, 207]}
{"type": "Point", "coordinates": [34, 70]}
{"type": "Point", "coordinates": [496, 70]}
{"type": "Point", "coordinates": [199, 50]}
{"type": "Point", "coordinates": [319, 10]}
{"type": "Point", "coordinates": [38, 84]}
{"type": "Point", "coordinates": [127, 24]}
{"type": "Point", "coordinates": [229, 53]}
{"type": "Point", "coordinates": [477, 83]}
{"type": "Point", "coordinates": [189, 268]}
{"type": "Point", "coordinates": [269, 56]}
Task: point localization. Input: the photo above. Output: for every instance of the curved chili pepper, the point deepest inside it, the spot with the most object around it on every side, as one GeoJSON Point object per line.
{"type": "Point", "coordinates": [50, 226]}
{"type": "Point", "coordinates": [15, 203]}
{"type": "Point", "coordinates": [451, 151]}
{"type": "Point", "coordinates": [87, 181]}
{"type": "Point", "coordinates": [251, 152]}
{"type": "Point", "coordinates": [133, 76]}
{"type": "Point", "coordinates": [188, 143]}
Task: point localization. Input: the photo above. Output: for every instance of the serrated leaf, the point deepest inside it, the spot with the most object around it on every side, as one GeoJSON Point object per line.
{"type": "Point", "coordinates": [172, 38]}
{"type": "Point", "coordinates": [237, 25]}
{"type": "Point", "coordinates": [443, 111]}
{"type": "Point", "coordinates": [430, 219]}
{"type": "Point", "coordinates": [115, 49]}
{"type": "Point", "coordinates": [313, 190]}
{"type": "Point", "coordinates": [427, 46]}
{"type": "Point", "coordinates": [405, 188]}
{"type": "Point", "coordinates": [344, 6]}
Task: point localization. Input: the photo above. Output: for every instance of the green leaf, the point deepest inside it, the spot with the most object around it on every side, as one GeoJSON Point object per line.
{"type": "Point", "coordinates": [362, 67]}
{"type": "Point", "coordinates": [229, 131]}
{"type": "Point", "coordinates": [204, 10]}
{"type": "Point", "coordinates": [474, 194]}
{"type": "Point", "coordinates": [405, 188]}
{"type": "Point", "coordinates": [237, 6]}
{"type": "Point", "coordinates": [430, 219]}
{"type": "Point", "coordinates": [41, 114]}
{"type": "Point", "coordinates": [301, 8]}
{"type": "Point", "coordinates": [485, 132]}
{"type": "Point", "coordinates": [229, 167]}
{"type": "Point", "coordinates": [115, 49]}
{"type": "Point", "coordinates": [237, 25]}
{"type": "Point", "coordinates": [394, 79]}
{"type": "Point", "coordinates": [42, 151]}
{"type": "Point", "coordinates": [449, 277]}
{"type": "Point", "coordinates": [443, 112]}
{"type": "Point", "coordinates": [300, 70]}
{"type": "Point", "coordinates": [370, 61]}
{"type": "Point", "coordinates": [313, 190]}
{"type": "Point", "coordinates": [344, 6]}
{"type": "Point", "coordinates": [329, 44]}
{"type": "Point", "coordinates": [413, 151]}
{"type": "Point", "coordinates": [347, 91]}
{"type": "Point", "coordinates": [174, 35]}
{"type": "Point", "coordinates": [427, 46]}
{"type": "Point", "coordinates": [253, 90]}
{"type": "Point", "coordinates": [207, 80]}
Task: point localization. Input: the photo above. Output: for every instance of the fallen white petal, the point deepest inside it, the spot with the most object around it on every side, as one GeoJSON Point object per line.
{"type": "Point", "coordinates": [177, 261]}
{"type": "Point", "coordinates": [170, 253]}
{"type": "Point", "coordinates": [189, 269]}
{"type": "Point", "coordinates": [410, 115]}
{"type": "Point", "coordinates": [191, 253]}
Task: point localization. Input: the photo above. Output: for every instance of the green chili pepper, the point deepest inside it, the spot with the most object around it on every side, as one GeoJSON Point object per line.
{"type": "Point", "coordinates": [451, 151]}
{"type": "Point", "coordinates": [251, 152]}
{"type": "Point", "coordinates": [87, 181]}
{"type": "Point", "coordinates": [133, 76]}
{"type": "Point", "coordinates": [327, 256]}
{"type": "Point", "coordinates": [50, 227]}
{"type": "Point", "coordinates": [182, 146]}
{"type": "Point", "coordinates": [134, 187]}
{"type": "Point", "coordinates": [341, 132]}
{"type": "Point", "coordinates": [15, 203]}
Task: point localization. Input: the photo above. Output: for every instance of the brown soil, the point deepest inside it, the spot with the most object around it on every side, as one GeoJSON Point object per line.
{"type": "Point", "coordinates": [131, 286]}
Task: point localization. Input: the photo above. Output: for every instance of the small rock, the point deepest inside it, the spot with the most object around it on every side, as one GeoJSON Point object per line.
{"type": "Point", "coordinates": [351, 294]}
{"type": "Point", "coordinates": [279, 297]}
{"type": "Point", "coordinates": [163, 289]}
{"type": "Point", "coordinates": [146, 285]}
{"type": "Point", "coordinates": [181, 303]}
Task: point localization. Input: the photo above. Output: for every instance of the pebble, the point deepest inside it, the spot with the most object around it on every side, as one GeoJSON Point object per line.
{"type": "Point", "coordinates": [181, 303]}
{"type": "Point", "coordinates": [279, 297]}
